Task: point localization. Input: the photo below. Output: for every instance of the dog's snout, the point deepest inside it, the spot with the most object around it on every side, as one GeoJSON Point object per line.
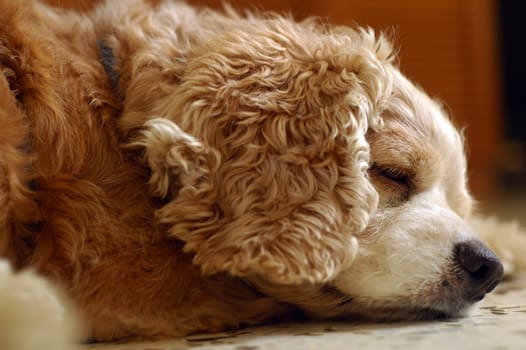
{"type": "Point", "coordinates": [481, 265]}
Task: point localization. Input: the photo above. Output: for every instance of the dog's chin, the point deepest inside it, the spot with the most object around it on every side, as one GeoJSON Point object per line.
{"type": "Point", "coordinates": [400, 313]}
{"type": "Point", "coordinates": [382, 311]}
{"type": "Point", "coordinates": [330, 302]}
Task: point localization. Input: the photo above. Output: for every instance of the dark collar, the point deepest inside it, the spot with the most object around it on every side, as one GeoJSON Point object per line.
{"type": "Point", "coordinates": [107, 59]}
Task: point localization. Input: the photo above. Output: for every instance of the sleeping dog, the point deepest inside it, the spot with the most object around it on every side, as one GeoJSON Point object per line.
{"type": "Point", "coordinates": [178, 170]}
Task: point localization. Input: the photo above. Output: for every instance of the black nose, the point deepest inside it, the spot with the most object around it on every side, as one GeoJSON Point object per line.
{"type": "Point", "coordinates": [481, 265]}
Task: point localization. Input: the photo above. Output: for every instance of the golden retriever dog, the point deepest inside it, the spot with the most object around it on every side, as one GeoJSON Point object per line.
{"type": "Point", "coordinates": [178, 170]}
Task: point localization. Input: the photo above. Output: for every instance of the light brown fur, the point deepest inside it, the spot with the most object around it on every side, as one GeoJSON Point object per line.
{"type": "Point", "coordinates": [95, 229]}
{"type": "Point", "coordinates": [224, 181]}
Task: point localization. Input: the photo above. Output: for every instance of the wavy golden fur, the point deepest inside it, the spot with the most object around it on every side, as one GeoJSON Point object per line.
{"type": "Point", "coordinates": [226, 179]}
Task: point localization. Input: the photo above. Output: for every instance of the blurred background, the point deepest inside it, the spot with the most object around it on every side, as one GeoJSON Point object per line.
{"type": "Point", "coordinates": [470, 54]}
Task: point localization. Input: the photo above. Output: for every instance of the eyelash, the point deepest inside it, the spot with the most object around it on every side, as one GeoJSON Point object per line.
{"type": "Point", "coordinates": [392, 174]}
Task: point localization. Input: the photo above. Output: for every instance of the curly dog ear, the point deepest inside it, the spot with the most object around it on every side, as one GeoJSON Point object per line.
{"type": "Point", "coordinates": [288, 110]}
{"type": "Point", "coordinates": [180, 165]}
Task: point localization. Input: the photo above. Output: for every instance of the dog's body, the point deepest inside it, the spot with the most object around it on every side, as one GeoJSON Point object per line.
{"type": "Point", "coordinates": [180, 171]}
{"type": "Point", "coordinates": [94, 231]}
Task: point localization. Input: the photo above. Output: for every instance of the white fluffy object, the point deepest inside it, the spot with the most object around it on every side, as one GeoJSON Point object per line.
{"type": "Point", "coordinates": [33, 316]}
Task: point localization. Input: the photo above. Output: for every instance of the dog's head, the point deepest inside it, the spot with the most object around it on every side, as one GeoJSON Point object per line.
{"type": "Point", "coordinates": [418, 257]}
{"type": "Point", "coordinates": [339, 186]}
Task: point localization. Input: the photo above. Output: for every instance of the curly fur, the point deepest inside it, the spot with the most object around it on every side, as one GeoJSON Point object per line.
{"type": "Point", "coordinates": [258, 94]}
{"type": "Point", "coordinates": [234, 174]}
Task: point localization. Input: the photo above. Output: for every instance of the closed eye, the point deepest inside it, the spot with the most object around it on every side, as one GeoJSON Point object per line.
{"type": "Point", "coordinates": [393, 174]}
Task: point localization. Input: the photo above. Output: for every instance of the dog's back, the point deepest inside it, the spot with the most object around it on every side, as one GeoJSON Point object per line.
{"type": "Point", "coordinates": [78, 210]}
